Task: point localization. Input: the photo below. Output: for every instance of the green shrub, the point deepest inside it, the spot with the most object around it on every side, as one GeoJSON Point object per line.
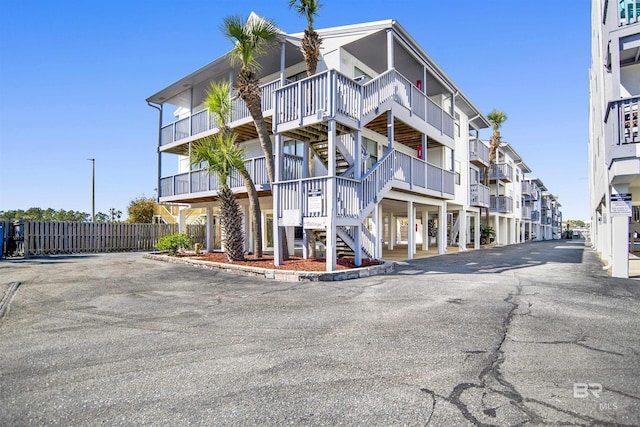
{"type": "Point", "coordinates": [173, 243]}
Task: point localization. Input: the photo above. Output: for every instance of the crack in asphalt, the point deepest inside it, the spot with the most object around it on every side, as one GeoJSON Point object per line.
{"type": "Point", "coordinates": [578, 342]}
{"type": "Point", "coordinates": [491, 372]}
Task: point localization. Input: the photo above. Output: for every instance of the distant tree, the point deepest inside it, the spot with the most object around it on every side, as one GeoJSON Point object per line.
{"type": "Point", "coordinates": [575, 223]}
{"type": "Point", "coordinates": [38, 214]}
{"type": "Point", "coordinates": [141, 210]}
{"type": "Point", "coordinates": [115, 214]}
{"type": "Point", "coordinates": [102, 217]}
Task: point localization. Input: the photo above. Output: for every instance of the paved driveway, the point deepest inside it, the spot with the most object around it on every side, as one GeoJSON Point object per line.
{"type": "Point", "coordinates": [520, 335]}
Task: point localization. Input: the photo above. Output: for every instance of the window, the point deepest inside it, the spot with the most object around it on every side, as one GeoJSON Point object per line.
{"type": "Point", "coordinates": [293, 147]}
{"type": "Point", "coordinates": [360, 76]}
{"type": "Point", "coordinates": [473, 176]}
{"type": "Point", "coordinates": [371, 152]}
{"type": "Point", "coordinates": [294, 78]}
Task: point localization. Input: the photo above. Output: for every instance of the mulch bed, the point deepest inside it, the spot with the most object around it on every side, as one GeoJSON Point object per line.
{"type": "Point", "coordinates": [293, 263]}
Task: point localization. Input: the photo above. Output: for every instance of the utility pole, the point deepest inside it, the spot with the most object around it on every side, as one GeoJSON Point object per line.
{"type": "Point", "coordinates": [93, 189]}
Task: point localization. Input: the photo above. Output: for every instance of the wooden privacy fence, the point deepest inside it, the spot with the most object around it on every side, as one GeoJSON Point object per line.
{"type": "Point", "coordinates": [29, 238]}
{"type": "Point", "coordinates": [46, 238]}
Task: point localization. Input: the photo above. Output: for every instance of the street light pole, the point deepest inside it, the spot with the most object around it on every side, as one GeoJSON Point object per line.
{"type": "Point", "coordinates": [93, 189]}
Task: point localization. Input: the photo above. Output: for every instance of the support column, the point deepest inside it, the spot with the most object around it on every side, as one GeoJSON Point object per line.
{"type": "Point", "coordinates": [476, 233]}
{"type": "Point", "coordinates": [378, 229]}
{"type": "Point", "coordinates": [278, 256]}
{"type": "Point", "coordinates": [619, 238]}
{"type": "Point", "coordinates": [390, 55]}
{"type": "Point", "coordinates": [442, 228]}
{"type": "Point", "coordinates": [358, 245]}
{"type": "Point", "coordinates": [496, 228]}
{"type": "Point", "coordinates": [390, 130]}
{"type": "Point", "coordinates": [289, 234]}
{"type": "Point", "coordinates": [425, 230]}
{"type": "Point", "coordinates": [413, 232]}
{"type": "Point", "coordinates": [330, 199]}
{"type": "Point", "coordinates": [357, 155]}
{"type": "Point", "coordinates": [182, 220]}
{"type": "Point", "coordinates": [411, 221]}
{"type": "Point", "coordinates": [392, 231]}
{"type": "Point", "coordinates": [282, 63]}
{"type": "Point", "coordinates": [305, 160]}
{"type": "Point", "coordinates": [462, 236]}
{"type": "Point", "coordinates": [210, 233]}
{"type": "Point", "coordinates": [305, 243]}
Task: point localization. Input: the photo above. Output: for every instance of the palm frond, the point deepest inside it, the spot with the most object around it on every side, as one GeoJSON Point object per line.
{"type": "Point", "coordinates": [221, 154]}
{"type": "Point", "coordinates": [218, 101]}
{"type": "Point", "coordinates": [497, 118]}
{"type": "Point", "coordinates": [306, 8]}
{"type": "Point", "coordinates": [251, 37]}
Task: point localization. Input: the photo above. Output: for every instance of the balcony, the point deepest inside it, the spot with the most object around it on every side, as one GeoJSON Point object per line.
{"type": "Point", "coordinates": [501, 204]}
{"type": "Point", "coordinates": [501, 171]}
{"type": "Point", "coordinates": [333, 95]}
{"type": "Point", "coordinates": [622, 125]}
{"type": "Point", "coordinates": [478, 153]}
{"type": "Point", "coordinates": [535, 216]}
{"type": "Point", "coordinates": [202, 122]}
{"type": "Point", "coordinates": [479, 195]}
{"type": "Point", "coordinates": [356, 198]}
{"type": "Point", "coordinates": [527, 188]}
{"type": "Point", "coordinates": [629, 12]}
{"type": "Point", "coordinates": [525, 212]}
{"type": "Point", "coordinates": [190, 184]}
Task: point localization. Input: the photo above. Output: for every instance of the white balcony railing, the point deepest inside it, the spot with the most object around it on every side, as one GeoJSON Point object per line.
{"type": "Point", "coordinates": [331, 93]}
{"type": "Point", "coordinates": [479, 195]}
{"type": "Point", "coordinates": [354, 197]}
{"type": "Point", "coordinates": [202, 121]}
{"type": "Point", "coordinates": [622, 120]}
{"type": "Point", "coordinates": [201, 180]}
{"type": "Point", "coordinates": [629, 12]}
{"type": "Point", "coordinates": [525, 212]}
{"type": "Point", "coordinates": [478, 152]}
{"type": "Point", "coordinates": [502, 171]}
{"type": "Point", "coordinates": [502, 204]}
{"type": "Point", "coordinates": [328, 93]}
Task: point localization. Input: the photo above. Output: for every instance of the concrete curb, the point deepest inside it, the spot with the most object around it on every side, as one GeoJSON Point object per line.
{"type": "Point", "coordinates": [7, 297]}
{"type": "Point", "coordinates": [280, 275]}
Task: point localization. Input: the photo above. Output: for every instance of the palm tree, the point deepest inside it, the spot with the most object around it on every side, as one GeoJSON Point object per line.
{"type": "Point", "coordinates": [496, 118]}
{"type": "Point", "coordinates": [219, 103]}
{"type": "Point", "coordinates": [222, 155]}
{"type": "Point", "coordinates": [252, 38]}
{"type": "Point", "coordinates": [311, 41]}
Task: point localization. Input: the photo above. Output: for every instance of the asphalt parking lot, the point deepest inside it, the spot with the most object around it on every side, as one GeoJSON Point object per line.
{"type": "Point", "coordinates": [522, 335]}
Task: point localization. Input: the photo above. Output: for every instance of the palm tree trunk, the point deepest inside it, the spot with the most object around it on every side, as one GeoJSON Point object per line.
{"type": "Point", "coordinates": [255, 212]}
{"type": "Point", "coordinates": [487, 183]}
{"type": "Point", "coordinates": [263, 136]}
{"type": "Point", "coordinates": [231, 224]}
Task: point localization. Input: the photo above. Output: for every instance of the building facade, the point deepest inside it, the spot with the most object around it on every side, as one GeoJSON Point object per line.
{"type": "Point", "coordinates": [378, 149]}
{"type": "Point", "coordinates": [614, 158]}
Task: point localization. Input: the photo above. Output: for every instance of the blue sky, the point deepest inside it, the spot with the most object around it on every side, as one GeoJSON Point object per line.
{"type": "Point", "coordinates": [74, 76]}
